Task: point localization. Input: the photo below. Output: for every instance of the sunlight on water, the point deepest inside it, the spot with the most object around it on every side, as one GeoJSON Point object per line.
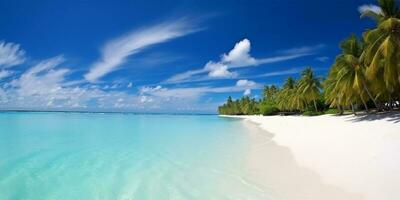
{"type": "Point", "coordinates": [122, 156]}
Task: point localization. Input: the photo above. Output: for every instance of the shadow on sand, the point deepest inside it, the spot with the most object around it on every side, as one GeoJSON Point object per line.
{"type": "Point", "coordinates": [389, 116]}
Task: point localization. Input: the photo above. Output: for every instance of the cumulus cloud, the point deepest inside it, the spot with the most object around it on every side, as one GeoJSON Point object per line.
{"type": "Point", "coordinates": [11, 54]}
{"type": "Point", "coordinates": [238, 57]}
{"type": "Point", "coordinates": [116, 51]}
{"type": "Point", "coordinates": [371, 8]}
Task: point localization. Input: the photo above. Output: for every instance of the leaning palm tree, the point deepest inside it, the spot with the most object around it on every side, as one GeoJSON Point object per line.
{"type": "Point", "coordinates": [309, 87]}
{"type": "Point", "coordinates": [382, 55]}
{"type": "Point", "coordinates": [350, 72]}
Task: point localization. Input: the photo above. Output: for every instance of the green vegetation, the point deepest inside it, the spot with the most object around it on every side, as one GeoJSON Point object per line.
{"type": "Point", "coordinates": [312, 113]}
{"type": "Point", "coordinates": [365, 75]}
{"type": "Point", "coordinates": [243, 106]}
{"type": "Point", "coordinates": [332, 111]}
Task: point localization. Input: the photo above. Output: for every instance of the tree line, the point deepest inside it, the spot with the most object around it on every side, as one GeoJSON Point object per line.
{"type": "Point", "coordinates": [364, 76]}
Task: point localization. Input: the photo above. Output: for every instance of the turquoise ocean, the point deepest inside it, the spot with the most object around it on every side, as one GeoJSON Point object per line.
{"type": "Point", "coordinates": [57, 155]}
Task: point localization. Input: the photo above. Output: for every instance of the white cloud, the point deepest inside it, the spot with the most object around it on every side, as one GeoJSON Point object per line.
{"type": "Point", "coordinates": [238, 57]}
{"type": "Point", "coordinates": [115, 52]}
{"type": "Point", "coordinates": [247, 92]}
{"type": "Point", "coordinates": [305, 50]}
{"type": "Point", "coordinates": [144, 90]}
{"type": "Point", "coordinates": [43, 86]}
{"type": "Point", "coordinates": [369, 7]}
{"type": "Point", "coordinates": [11, 54]}
{"type": "Point", "coordinates": [245, 83]}
{"type": "Point", "coordinates": [185, 76]}
{"type": "Point", "coordinates": [42, 78]}
{"type": "Point", "coordinates": [5, 73]}
{"type": "Point", "coordinates": [280, 73]}
{"type": "Point", "coordinates": [218, 70]}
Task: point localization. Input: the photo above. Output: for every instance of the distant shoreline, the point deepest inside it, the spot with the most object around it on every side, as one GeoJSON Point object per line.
{"type": "Point", "coordinates": [105, 112]}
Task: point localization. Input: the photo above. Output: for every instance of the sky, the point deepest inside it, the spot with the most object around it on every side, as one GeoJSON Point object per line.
{"type": "Point", "coordinates": [176, 56]}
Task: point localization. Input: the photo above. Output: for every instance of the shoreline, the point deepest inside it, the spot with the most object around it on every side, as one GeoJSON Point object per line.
{"type": "Point", "coordinates": [359, 154]}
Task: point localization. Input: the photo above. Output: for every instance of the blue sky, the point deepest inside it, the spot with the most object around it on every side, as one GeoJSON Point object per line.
{"type": "Point", "coordinates": [159, 56]}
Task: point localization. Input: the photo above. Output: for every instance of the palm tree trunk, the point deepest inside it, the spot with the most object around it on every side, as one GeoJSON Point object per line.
{"type": "Point", "coordinates": [365, 105]}
{"type": "Point", "coordinates": [315, 106]}
{"type": "Point", "coordinates": [369, 94]}
{"type": "Point", "coordinates": [352, 109]}
{"type": "Point", "coordinates": [340, 109]}
{"type": "Point", "coordinates": [390, 102]}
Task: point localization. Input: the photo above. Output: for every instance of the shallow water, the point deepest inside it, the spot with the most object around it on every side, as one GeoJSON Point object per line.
{"type": "Point", "coordinates": [123, 156]}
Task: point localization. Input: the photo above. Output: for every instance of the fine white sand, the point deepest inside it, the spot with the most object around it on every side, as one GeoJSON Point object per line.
{"type": "Point", "coordinates": [357, 156]}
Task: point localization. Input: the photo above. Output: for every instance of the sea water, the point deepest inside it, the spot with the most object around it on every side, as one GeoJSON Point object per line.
{"type": "Point", "coordinates": [123, 156]}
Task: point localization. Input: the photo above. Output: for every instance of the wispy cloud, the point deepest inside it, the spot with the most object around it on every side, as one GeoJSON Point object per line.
{"type": "Point", "coordinates": [11, 54]}
{"type": "Point", "coordinates": [42, 78]}
{"type": "Point", "coordinates": [322, 58]}
{"type": "Point", "coordinates": [369, 7]}
{"type": "Point", "coordinates": [304, 50]}
{"type": "Point", "coordinates": [282, 72]}
{"type": "Point", "coordinates": [196, 92]}
{"type": "Point", "coordinates": [239, 57]}
{"type": "Point", "coordinates": [115, 52]}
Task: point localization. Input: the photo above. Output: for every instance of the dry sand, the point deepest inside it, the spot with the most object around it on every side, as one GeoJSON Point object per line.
{"type": "Point", "coordinates": [327, 157]}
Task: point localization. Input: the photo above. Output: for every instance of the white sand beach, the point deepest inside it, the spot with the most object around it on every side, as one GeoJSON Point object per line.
{"type": "Point", "coordinates": [341, 157]}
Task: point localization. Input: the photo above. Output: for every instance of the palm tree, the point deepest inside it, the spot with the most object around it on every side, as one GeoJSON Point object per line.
{"type": "Point", "coordinates": [350, 72]}
{"type": "Point", "coordinates": [331, 93]}
{"type": "Point", "coordinates": [309, 86]}
{"type": "Point", "coordinates": [270, 93]}
{"type": "Point", "coordinates": [382, 55]}
{"type": "Point", "coordinates": [283, 97]}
